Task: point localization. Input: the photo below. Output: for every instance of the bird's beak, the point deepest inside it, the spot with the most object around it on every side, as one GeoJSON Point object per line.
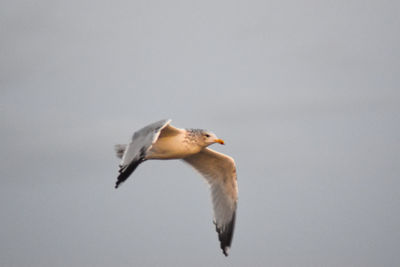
{"type": "Point", "coordinates": [219, 141]}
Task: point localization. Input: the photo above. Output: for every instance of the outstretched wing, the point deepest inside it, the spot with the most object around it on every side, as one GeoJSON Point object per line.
{"type": "Point", "coordinates": [135, 152]}
{"type": "Point", "coordinates": [220, 172]}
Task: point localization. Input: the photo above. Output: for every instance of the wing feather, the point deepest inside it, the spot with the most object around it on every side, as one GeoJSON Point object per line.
{"type": "Point", "coordinates": [219, 170]}
{"type": "Point", "coordinates": [135, 151]}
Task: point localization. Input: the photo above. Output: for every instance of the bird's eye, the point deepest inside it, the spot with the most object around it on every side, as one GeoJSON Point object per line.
{"type": "Point", "coordinates": [207, 135]}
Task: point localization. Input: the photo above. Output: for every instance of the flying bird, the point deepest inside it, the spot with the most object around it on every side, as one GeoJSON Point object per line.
{"type": "Point", "coordinates": [160, 140]}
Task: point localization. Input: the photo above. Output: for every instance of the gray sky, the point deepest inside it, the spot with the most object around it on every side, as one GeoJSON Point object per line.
{"type": "Point", "coordinates": [305, 94]}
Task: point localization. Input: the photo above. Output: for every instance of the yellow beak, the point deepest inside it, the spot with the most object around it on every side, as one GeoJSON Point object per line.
{"type": "Point", "coordinates": [219, 141]}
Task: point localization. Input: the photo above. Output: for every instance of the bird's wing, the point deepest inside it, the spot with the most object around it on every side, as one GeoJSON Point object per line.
{"type": "Point", "coordinates": [220, 172]}
{"type": "Point", "coordinates": [135, 152]}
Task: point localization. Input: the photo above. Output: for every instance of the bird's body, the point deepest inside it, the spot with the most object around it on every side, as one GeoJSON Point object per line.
{"type": "Point", "coordinates": [160, 140]}
{"type": "Point", "coordinates": [172, 147]}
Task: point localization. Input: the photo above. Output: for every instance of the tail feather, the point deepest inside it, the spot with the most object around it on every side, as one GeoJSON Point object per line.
{"type": "Point", "coordinates": [120, 149]}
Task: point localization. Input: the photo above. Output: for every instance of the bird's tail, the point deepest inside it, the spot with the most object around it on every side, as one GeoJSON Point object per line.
{"type": "Point", "coordinates": [120, 149]}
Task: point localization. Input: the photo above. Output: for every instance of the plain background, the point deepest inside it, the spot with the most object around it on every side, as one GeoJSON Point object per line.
{"type": "Point", "coordinates": [305, 94]}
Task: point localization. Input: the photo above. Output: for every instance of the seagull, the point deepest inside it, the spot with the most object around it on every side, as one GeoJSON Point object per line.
{"type": "Point", "coordinates": [160, 140]}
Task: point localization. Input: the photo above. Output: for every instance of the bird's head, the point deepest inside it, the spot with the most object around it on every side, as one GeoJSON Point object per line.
{"type": "Point", "coordinates": [210, 138]}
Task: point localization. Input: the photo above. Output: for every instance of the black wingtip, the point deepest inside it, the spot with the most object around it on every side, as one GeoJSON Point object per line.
{"type": "Point", "coordinates": [225, 252]}
{"type": "Point", "coordinates": [124, 174]}
{"type": "Point", "coordinates": [225, 235]}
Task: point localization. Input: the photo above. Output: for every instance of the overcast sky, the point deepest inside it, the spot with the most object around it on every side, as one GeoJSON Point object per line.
{"type": "Point", "coordinates": [305, 94]}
